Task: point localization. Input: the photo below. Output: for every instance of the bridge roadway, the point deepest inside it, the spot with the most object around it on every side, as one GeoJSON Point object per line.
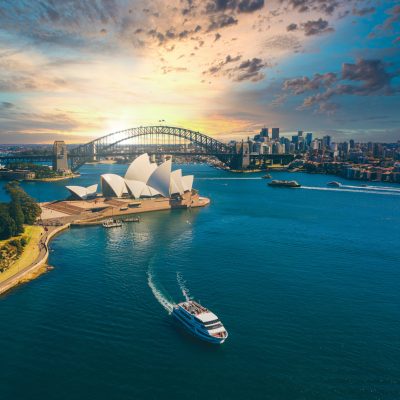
{"type": "Point", "coordinates": [260, 158]}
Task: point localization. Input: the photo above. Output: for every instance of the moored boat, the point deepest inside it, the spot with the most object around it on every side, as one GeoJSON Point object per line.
{"type": "Point", "coordinates": [131, 219]}
{"type": "Point", "coordinates": [200, 321]}
{"type": "Point", "coordinates": [111, 223]}
{"type": "Point", "coordinates": [283, 183]}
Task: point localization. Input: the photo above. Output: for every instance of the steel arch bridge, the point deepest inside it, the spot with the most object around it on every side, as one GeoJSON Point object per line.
{"type": "Point", "coordinates": [166, 139]}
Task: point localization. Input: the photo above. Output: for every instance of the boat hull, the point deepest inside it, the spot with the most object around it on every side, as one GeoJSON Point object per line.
{"type": "Point", "coordinates": [196, 332]}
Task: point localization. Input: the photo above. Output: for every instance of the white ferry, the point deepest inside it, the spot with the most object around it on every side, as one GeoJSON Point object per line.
{"type": "Point", "coordinates": [201, 322]}
{"type": "Point", "coordinates": [111, 223]}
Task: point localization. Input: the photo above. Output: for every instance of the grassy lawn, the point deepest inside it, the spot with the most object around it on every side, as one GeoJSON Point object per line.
{"type": "Point", "coordinates": [30, 252]}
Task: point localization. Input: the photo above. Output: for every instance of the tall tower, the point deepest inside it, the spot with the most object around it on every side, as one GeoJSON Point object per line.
{"type": "Point", "coordinates": [275, 133]}
{"type": "Point", "coordinates": [60, 156]}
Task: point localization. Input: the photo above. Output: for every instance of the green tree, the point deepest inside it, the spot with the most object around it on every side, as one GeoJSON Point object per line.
{"type": "Point", "coordinates": [7, 224]}
{"type": "Point", "coordinates": [17, 215]}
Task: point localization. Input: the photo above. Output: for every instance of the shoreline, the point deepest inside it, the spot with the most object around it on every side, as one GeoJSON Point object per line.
{"type": "Point", "coordinates": [39, 266]}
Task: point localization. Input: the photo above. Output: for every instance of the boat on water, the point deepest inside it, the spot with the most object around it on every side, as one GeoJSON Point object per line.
{"type": "Point", "coordinates": [289, 184]}
{"type": "Point", "coordinates": [132, 219]}
{"type": "Point", "coordinates": [334, 184]}
{"type": "Point", "coordinates": [111, 223]}
{"type": "Point", "coordinates": [200, 321]}
{"type": "Point", "coordinates": [267, 176]}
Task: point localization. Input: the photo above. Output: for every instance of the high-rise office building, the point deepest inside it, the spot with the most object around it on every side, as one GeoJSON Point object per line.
{"type": "Point", "coordinates": [308, 138]}
{"type": "Point", "coordinates": [299, 133]}
{"type": "Point", "coordinates": [275, 133]}
{"type": "Point", "coordinates": [264, 132]}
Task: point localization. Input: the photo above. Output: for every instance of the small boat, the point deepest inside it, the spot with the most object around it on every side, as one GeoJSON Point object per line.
{"type": "Point", "coordinates": [200, 321]}
{"type": "Point", "coordinates": [132, 219]}
{"type": "Point", "coordinates": [334, 184]}
{"type": "Point", "coordinates": [267, 176]}
{"type": "Point", "coordinates": [289, 184]}
{"type": "Point", "coordinates": [111, 223]}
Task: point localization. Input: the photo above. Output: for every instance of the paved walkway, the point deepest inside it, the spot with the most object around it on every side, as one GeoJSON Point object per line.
{"type": "Point", "coordinates": [40, 260]}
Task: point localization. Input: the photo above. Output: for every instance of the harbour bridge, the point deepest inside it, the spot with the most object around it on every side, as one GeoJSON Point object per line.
{"type": "Point", "coordinates": [157, 140]}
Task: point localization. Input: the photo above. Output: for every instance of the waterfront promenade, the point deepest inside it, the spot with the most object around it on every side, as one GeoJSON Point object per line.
{"type": "Point", "coordinates": [31, 270]}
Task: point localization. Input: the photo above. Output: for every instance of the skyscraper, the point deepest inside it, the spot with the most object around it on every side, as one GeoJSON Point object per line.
{"type": "Point", "coordinates": [275, 133]}
{"type": "Point", "coordinates": [264, 132]}
{"type": "Point", "coordinates": [308, 138]}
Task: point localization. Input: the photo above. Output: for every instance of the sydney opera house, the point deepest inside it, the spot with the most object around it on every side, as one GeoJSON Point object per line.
{"type": "Point", "coordinates": [143, 179]}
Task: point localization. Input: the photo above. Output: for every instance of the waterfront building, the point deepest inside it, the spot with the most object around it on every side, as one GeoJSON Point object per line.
{"type": "Point", "coordinates": [145, 179]}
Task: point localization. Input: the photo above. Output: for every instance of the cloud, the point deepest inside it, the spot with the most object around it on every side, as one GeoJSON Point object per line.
{"type": "Point", "coordinates": [221, 21]}
{"type": "Point", "coordinates": [242, 6]}
{"type": "Point", "coordinates": [363, 11]}
{"type": "Point", "coordinates": [6, 105]}
{"type": "Point", "coordinates": [305, 84]}
{"type": "Point", "coordinates": [363, 78]}
{"type": "Point", "coordinates": [291, 27]}
{"type": "Point", "coordinates": [327, 7]}
{"type": "Point", "coordinates": [316, 27]}
{"type": "Point", "coordinates": [250, 70]}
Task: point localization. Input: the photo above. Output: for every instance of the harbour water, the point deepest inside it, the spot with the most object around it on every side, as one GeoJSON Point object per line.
{"type": "Point", "coordinates": [306, 281]}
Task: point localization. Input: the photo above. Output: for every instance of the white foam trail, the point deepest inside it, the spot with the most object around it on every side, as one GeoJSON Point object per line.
{"type": "Point", "coordinates": [350, 190]}
{"type": "Point", "coordinates": [168, 305]}
{"type": "Point", "coordinates": [182, 285]}
{"type": "Point", "coordinates": [378, 188]}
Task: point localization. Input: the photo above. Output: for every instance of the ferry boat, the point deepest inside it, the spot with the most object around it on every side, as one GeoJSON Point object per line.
{"type": "Point", "coordinates": [132, 219]}
{"type": "Point", "coordinates": [200, 321]}
{"type": "Point", "coordinates": [289, 184]}
{"type": "Point", "coordinates": [334, 184]}
{"type": "Point", "coordinates": [111, 223]}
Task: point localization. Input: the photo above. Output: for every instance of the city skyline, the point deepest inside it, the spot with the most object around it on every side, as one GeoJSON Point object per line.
{"type": "Point", "coordinates": [76, 71]}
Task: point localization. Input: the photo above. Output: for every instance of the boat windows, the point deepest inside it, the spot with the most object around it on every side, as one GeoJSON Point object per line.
{"type": "Point", "coordinates": [214, 326]}
{"type": "Point", "coordinates": [210, 322]}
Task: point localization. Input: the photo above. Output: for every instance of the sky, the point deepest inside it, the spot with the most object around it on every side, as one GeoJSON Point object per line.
{"type": "Point", "coordinates": [75, 70]}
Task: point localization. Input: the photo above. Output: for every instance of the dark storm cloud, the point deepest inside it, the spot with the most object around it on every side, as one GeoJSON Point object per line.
{"type": "Point", "coordinates": [363, 78]}
{"type": "Point", "coordinates": [316, 27]}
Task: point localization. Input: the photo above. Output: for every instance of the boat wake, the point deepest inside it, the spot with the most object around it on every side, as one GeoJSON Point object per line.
{"type": "Point", "coordinates": [357, 189]}
{"type": "Point", "coordinates": [182, 286]}
{"type": "Point", "coordinates": [158, 294]}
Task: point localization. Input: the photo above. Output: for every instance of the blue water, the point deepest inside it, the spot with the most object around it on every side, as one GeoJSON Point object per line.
{"type": "Point", "coordinates": [307, 282]}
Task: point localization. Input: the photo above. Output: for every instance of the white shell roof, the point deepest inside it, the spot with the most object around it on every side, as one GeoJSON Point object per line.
{"type": "Point", "coordinates": [161, 177]}
{"type": "Point", "coordinates": [83, 192]}
{"type": "Point", "coordinates": [135, 187]}
{"type": "Point", "coordinates": [187, 182]}
{"type": "Point", "coordinates": [140, 169]}
{"type": "Point", "coordinates": [115, 183]}
{"type": "Point", "coordinates": [176, 182]}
